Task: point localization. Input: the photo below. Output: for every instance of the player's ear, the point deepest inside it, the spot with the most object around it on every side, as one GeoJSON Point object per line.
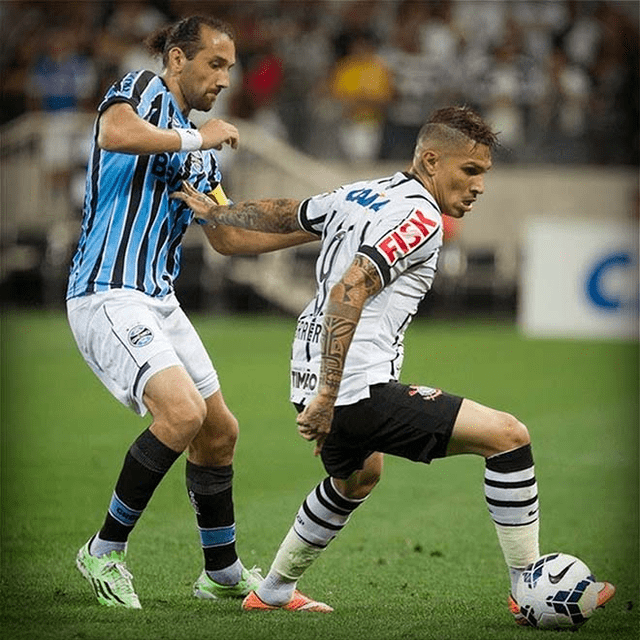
{"type": "Point", "coordinates": [176, 59]}
{"type": "Point", "coordinates": [429, 159]}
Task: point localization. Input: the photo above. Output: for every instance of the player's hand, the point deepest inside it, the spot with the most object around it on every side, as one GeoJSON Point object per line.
{"type": "Point", "coordinates": [200, 203]}
{"type": "Point", "coordinates": [216, 133]}
{"type": "Point", "coordinates": [314, 422]}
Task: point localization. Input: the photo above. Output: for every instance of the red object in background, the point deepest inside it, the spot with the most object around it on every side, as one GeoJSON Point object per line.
{"type": "Point", "coordinates": [264, 79]}
{"type": "Point", "coordinates": [450, 228]}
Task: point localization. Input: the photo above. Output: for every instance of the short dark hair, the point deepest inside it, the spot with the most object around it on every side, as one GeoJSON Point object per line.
{"type": "Point", "coordinates": [461, 119]}
{"type": "Point", "coordinates": [185, 34]}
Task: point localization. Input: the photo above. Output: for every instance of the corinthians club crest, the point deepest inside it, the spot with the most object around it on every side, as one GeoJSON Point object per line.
{"type": "Point", "coordinates": [427, 393]}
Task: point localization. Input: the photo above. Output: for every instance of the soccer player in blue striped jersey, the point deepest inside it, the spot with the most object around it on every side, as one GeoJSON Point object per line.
{"type": "Point", "coordinates": [123, 311]}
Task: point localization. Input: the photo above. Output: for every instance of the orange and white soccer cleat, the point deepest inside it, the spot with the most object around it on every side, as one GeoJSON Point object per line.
{"type": "Point", "coordinates": [515, 610]}
{"type": "Point", "coordinates": [606, 591]}
{"type": "Point", "coordinates": [299, 602]}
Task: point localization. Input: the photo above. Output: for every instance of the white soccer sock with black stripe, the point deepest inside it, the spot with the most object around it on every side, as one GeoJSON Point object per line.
{"type": "Point", "coordinates": [511, 493]}
{"type": "Point", "coordinates": [323, 514]}
{"type": "Point", "coordinates": [320, 518]}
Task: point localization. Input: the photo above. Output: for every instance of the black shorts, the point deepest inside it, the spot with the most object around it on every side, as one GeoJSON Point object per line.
{"type": "Point", "coordinates": [411, 422]}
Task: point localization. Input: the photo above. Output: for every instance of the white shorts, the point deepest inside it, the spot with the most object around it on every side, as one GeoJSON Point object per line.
{"type": "Point", "coordinates": [127, 336]}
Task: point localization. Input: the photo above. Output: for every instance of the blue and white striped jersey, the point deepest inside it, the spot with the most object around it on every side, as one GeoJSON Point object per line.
{"type": "Point", "coordinates": [397, 224]}
{"type": "Point", "coordinates": [131, 231]}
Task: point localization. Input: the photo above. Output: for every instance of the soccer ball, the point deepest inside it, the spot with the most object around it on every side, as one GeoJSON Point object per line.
{"type": "Point", "coordinates": [557, 591]}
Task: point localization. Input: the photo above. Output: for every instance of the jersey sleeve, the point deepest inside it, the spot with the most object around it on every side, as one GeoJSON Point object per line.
{"type": "Point", "coordinates": [313, 212]}
{"type": "Point", "coordinates": [400, 245]}
{"type": "Point", "coordinates": [129, 89]}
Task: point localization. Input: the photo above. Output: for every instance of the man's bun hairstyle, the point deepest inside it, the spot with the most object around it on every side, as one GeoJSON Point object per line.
{"type": "Point", "coordinates": [184, 34]}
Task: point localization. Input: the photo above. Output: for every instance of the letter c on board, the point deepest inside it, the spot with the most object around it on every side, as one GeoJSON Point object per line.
{"type": "Point", "coordinates": [595, 289]}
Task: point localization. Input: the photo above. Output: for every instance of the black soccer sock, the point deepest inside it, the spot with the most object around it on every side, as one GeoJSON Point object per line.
{"type": "Point", "coordinates": [511, 493]}
{"type": "Point", "coordinates": [210, 492]}
{"type": "Point", "coordinates": [145, 464]}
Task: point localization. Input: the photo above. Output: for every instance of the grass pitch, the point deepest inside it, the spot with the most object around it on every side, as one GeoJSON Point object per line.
{"type": "Point", "coordinates": [419, 561]}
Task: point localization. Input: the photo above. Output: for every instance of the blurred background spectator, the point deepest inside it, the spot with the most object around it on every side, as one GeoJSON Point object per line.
{"type": "Point", "coordinates": [361, 83]}
{"type": "Point", "coordinates": [63, 76]}
{"type": "Point", "coordinates": [355, 78]}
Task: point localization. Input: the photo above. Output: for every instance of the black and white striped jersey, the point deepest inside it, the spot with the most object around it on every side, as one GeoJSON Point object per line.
{"type": "Point", "coordinates": [396, 223]}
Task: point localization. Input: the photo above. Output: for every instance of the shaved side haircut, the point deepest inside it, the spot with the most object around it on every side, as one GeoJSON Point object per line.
{"type": "Point", "coordinates": [453, 127]}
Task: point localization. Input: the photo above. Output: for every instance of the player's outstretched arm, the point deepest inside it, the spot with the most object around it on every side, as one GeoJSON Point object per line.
{"type": "Point", "coordinates": [122, 130]}
{"type": "Point", "coordinates": [274, 215]}
{"type": "Point", "coordinates": [231, 241]}
{"type": "Point", "coordinates": [342, 314]}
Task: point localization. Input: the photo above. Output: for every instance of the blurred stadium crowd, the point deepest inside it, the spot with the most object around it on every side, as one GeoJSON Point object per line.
{"type": "Point", "coordinates": [353, 79]}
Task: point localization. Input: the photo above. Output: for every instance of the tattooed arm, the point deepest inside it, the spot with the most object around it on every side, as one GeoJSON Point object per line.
{"type": "Point", "coordinates": [233, 241]}
{"type": "Point", "coordinates": [276, 215]}
{"type": "Point", "coordinates": [342, 314]}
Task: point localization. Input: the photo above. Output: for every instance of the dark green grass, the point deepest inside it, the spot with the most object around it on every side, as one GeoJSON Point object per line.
{"type": "Point", "coordinates": [419, 561]}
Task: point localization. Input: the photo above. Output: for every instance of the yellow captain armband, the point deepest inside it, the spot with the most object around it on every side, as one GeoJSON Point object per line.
{"type": "Point", "coordinates": [218, 195]}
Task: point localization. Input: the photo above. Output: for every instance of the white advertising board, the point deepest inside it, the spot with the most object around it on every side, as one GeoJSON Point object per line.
{"type": "Point", "coordinates": [579, 279]}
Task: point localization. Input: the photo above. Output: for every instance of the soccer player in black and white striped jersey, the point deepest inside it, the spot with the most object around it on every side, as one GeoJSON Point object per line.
{"type": "Point", "coordinates": [125, 316]}
{"type": "Point", "coordinates": [380, 243]}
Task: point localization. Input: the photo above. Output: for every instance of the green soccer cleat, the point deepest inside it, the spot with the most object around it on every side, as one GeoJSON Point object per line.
{"type": "Point", "coordinates": [206, 589]}
{"type": "Point", "coordinates": [109, 577]}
